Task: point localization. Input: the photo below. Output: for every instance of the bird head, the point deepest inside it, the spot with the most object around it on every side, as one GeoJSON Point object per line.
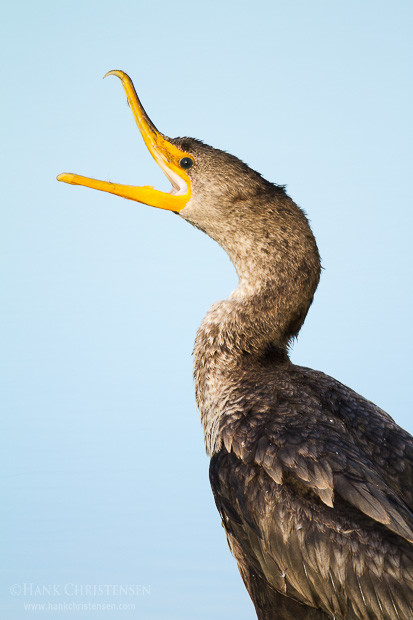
{"type": "Point", "coordinates": [206, 182]}
{"type": "Point", "coordinates": [216, 192]}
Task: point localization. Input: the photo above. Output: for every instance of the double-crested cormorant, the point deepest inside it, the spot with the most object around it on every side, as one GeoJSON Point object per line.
{"type": "Point", "coordinates": [312, 481]}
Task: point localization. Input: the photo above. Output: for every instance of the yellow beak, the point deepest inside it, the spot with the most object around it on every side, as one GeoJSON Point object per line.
{"type": "Point", "coordinates": [166, 154]}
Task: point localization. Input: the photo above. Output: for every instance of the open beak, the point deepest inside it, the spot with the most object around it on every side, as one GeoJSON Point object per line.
{"type": "Point", "coordinates": [166, 154]}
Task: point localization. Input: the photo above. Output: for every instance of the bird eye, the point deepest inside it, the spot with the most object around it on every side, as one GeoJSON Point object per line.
{"type": "Point", "coordinates": [186, 163]}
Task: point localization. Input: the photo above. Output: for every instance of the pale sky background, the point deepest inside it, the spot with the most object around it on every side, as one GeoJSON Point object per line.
{"type": "Point", "coordinates": [104, 477]}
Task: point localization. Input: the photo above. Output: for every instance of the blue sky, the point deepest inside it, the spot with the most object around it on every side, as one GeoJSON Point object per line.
{"type": "Point", "coordinates": [104, 476]}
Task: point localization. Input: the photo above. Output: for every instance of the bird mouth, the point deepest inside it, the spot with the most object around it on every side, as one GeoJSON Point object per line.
{"type": "Point", "coordinates": [166, 154]}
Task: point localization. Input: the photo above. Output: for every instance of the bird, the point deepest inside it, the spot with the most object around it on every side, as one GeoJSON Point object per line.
{"type": "Point", "coordinates": [313, 483]}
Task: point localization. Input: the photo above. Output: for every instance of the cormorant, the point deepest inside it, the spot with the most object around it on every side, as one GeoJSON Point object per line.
{"type": "Point", "coordinates": [312, 481]}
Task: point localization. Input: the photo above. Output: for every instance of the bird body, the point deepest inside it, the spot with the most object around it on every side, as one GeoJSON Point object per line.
{"type": "Point", "coordinates": [312, 481]}
{"type": "Point", "coordinates": [314, 508]}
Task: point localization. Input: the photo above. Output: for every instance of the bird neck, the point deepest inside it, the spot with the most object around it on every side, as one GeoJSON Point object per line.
{"type": "Point", "coordinates": [253, 327]}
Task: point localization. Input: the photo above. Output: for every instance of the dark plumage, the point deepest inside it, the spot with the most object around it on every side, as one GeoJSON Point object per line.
{"type": "Point", "coordinates": [313, 482]}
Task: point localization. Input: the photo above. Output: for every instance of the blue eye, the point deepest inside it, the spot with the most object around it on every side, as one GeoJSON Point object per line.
{"type": "Point", "coordinates": [186, 163]}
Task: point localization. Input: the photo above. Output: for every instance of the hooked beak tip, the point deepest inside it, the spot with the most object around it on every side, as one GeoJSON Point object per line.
{"type": "Point", "coordinates": [117, 72]}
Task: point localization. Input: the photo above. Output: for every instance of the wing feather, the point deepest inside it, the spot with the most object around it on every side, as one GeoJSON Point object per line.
{"type": "Point", "coordinates": [315, 493]}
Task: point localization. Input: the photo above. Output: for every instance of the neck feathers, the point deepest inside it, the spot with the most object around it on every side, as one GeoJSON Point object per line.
{"type": "Point", "coordinates": [267, 309]}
